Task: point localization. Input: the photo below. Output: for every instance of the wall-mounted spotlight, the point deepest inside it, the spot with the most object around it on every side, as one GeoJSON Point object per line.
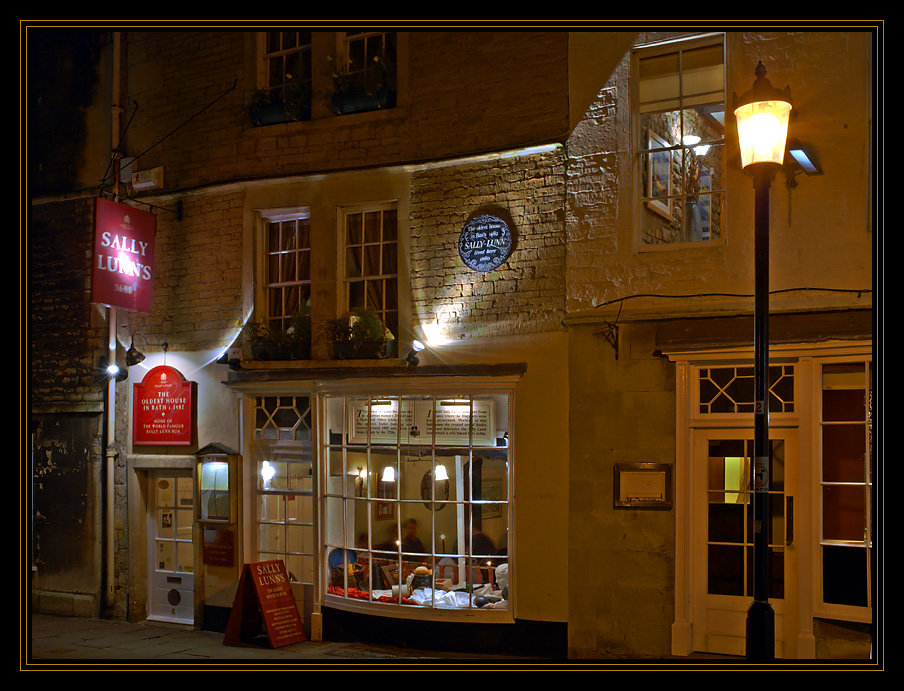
{"type": "Point", "coordinates": [114, 371]}
{"type": "Point", "coordinates": [233, 363]}
{"type": "Point", "coordinates": [803, 157]}
{"type": "Point", "coordinates": [416, 347]}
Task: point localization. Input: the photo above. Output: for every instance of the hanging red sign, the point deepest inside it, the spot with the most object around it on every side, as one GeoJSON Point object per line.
{"type": "Point", "coordinates": [163, 412]}
{"type": "Point", "coordinates": [123, 266]}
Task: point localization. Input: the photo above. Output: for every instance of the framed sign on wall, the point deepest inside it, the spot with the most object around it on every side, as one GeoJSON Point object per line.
{"type": "Point", "coordinates": [642, 485]}
{"type": "Point", "coordinates": [485, 243]}
{"type": "Point", "coordinates": [164, 409]}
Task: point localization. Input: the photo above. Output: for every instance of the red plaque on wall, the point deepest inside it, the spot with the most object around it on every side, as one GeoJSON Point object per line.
{"type": "Point", "coordinates": [122, 269]}
{"type": "Point", "coordinates": [163, 409]}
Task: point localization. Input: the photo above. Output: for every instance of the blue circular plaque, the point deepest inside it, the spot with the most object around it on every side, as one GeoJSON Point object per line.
{"type": "Point", "coordinates": [485, 243]}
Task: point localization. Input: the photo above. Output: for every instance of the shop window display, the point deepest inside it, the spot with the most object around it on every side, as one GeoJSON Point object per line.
{"type": "Point", "coordinates": [417, 500]}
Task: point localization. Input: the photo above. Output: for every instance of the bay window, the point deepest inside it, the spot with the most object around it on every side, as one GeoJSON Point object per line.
{"type": "Point", "coordinates": [417, 500]}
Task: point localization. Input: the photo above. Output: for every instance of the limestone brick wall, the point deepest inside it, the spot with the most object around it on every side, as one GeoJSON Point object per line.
{"type": "Point", "coordinates": [66, 395]}
{"type": "Point", "coordinates": [64, 330]}
{"type": "Point", "coordinates": [459, 93]}
{"type": "Point", "coordinates": [198, 276]}
{"type": "Point", "coordinates": [523, 296]}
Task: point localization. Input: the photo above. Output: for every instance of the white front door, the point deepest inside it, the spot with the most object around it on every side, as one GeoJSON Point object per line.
{"type": "Point", "coordinates": [170, 549]}
{"type": "Point", "coordinates": [723, 533]}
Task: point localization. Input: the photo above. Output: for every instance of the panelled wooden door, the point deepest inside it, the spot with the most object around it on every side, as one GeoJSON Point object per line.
{"type": "Point", "coordinates": [723, 527]}
{"type": "Point", "coordinates": [170, 549]}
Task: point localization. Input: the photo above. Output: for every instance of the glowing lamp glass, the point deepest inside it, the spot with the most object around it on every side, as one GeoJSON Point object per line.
{"type": "Point", "coordinates": [762, 130]}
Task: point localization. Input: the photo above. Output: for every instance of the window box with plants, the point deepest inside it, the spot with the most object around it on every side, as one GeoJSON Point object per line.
{"type": "Point", "coordinates": [360, 335]}
{"type": "Point", "coordinates": [270, 343]}
{"type": "Point", "coordinates": [289, 103]}
{"type": "Point", "coordinates": [372, 88]}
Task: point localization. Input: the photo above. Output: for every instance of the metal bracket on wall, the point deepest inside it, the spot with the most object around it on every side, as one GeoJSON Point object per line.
{"type": "Point", "coordinates": [610, 333]}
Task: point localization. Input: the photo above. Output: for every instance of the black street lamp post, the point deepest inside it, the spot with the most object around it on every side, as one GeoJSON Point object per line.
{"type": "Point", "coordinates": [762, 115]}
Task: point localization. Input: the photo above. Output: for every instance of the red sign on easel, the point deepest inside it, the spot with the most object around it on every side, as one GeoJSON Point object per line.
{"type": "Point", "coordinates": [264, 599]}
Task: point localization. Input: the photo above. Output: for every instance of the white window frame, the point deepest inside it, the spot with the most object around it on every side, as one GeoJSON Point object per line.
{"type": "Point", "coordinates": [285, 450]}
{"type": "Point", "coordinates": [265, 76]}
{"type": "Point", "coordinates": [647, 142]}
{"type": "Point", "coordinates": [808, 359]}
{"type": "Point", "coordinates": [339, 395]}
{"type": "Point", "coordinates": [821, 608]}
{"type": "Point", "coordinates": [268, 312]}
{"type": "Point", "coordinates": [344, 42]}
{"type": "Point", "coordinates": [388, 309]}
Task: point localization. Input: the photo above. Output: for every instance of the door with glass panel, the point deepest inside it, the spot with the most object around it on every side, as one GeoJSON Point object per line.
{"type": "Point", "coordinates": [724, 529]}
{"type": "Point", "coordinates": [283, 460]}
{"type": "Point", "coordinates": [171, 553]}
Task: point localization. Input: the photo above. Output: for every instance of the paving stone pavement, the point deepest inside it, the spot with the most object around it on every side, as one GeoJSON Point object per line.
{"type": "Point", "coordinates": [56, 641]}
{"type": "Point", "coordinates": [52, 643]}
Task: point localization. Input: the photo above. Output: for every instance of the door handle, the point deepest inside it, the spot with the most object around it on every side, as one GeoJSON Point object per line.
{"type": "Point", "coordinates": [789, 521]}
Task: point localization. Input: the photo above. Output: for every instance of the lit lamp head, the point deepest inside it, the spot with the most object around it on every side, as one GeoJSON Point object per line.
{"type": "Point", "coordinates": [762, 115]}
{"type": "Point", "coordinates": [113, 371]}
{"type": "Point", "coordinates": [412, 358]}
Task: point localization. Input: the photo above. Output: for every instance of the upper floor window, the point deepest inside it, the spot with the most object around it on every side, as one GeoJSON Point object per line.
{"type": "Point", "coordinates": [371, 262]}
{"type": "Point", "coordinates": [287, 281]}
{"type": "Point", "coordinates": [372, 58]}
{"type": "Point", "coordinates": [681, 137]}
{"type": "Point", "coordinates": [365, 76]}
{"type": "Point", "coordinates": [286, 70]}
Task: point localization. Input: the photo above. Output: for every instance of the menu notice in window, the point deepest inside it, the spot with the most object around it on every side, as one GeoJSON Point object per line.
{"type": "Point", "coordinates": [264, 602]}
{"type": "Point", "coordinates": [449, 422]}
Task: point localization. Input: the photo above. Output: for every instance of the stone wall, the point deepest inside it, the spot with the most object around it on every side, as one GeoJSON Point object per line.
{"type": "Point", "coordinates": [64, 330]}
{"type": "Point", "coordinates": [198, 268]}
{"type": "Point", "coordinates": [621, 561]}
{"type": "Point", "coordinates": [459, 92]}
{"type": "Point", "coordinates": [523, 296]}
{"type": "Point", "coordinates": [66, 395]}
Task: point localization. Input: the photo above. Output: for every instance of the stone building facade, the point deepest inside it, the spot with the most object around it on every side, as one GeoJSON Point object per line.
{"type": "Point", "coordinates": [585, 347]}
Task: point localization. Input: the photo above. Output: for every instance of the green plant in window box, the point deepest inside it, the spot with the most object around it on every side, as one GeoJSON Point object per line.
{"type": "Point", "coordinates": [267, 107]}
{"type": "Point", "coordinates": [360, 334]}
{"type": "Point", "coordinates": [299, 335]}
{"type": "Point", "coordinates": [270, 343]}
{"type": "Point", "coordinates": [372, 88]}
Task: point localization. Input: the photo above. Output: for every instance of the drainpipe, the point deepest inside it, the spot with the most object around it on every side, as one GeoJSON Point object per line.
{"type": "Point", "coordinates": [110, 461]}
{"type": "Point", "coordinates": [110, 464]}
